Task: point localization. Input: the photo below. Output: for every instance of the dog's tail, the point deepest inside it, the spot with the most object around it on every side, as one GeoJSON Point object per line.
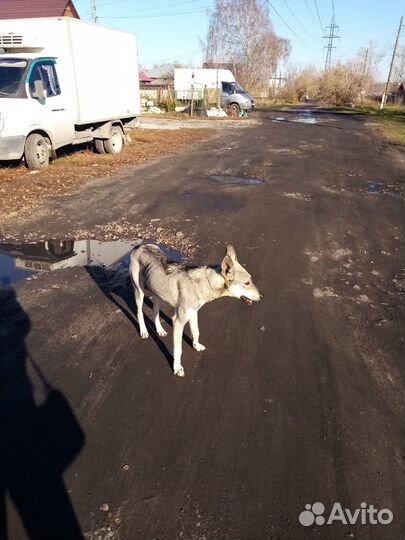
{"type": "Point", "coordinates": [134, 267]}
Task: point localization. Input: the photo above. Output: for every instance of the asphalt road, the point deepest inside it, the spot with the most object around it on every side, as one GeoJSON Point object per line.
{"type": "Point", "coordinates": [298, 399]}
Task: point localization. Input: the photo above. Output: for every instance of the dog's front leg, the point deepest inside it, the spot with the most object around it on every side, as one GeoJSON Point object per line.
{"type": "Point", "coordinates": [178, 326]}
{"type": "Point", "coordinates": [195, 332]}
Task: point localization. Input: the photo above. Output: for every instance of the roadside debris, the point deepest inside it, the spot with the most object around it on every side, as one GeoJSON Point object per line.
{"type": "Point", "coordinates": [216, 112]}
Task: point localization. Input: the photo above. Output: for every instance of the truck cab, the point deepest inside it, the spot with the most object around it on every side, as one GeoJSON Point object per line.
{"type": "Point", "coordinates": [64, 81]}
{"type": "Point", "coordinates": [32, 100]}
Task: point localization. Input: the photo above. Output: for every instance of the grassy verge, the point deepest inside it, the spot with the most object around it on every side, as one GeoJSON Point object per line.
{"type": "Point", "coordinates": [270, 102]}
{"type": "Point", "coordinates": [390, 120]}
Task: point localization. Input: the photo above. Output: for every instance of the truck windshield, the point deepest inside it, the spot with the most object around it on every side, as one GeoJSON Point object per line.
{"type": "Point", "coordinates": [237, 89]}
{"type": "Point", "coordinates": [11, 72]}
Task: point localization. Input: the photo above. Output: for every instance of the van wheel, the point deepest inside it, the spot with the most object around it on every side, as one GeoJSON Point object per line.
{"type": "Point", "coordinates": [99, 146]}
{"type": "Point", "coordinates": [36, 152]}
{"type": "Point", "coordinates": [114, 144]}
{"type": "Point", "coordinates": [233, 109]}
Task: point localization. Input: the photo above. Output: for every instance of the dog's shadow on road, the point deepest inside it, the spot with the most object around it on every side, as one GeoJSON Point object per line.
{"type": "Point", "coordinates": [117, 287]}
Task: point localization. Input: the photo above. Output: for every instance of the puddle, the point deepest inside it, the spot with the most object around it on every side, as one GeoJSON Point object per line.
{"type": "Point", "coordinates": [381, 188]}
{"type": "Point", "coordinates": [238, 180]}
{"type": "Point", "coordinates": [376, 188]}
{"type": "Point", "coordinates": [22, 261]}
{"type": "Point", "coordinates": [298, 119]}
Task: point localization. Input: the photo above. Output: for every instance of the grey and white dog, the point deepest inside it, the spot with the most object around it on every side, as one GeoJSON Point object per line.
{"type": "Point", "coordinates": [186, 289]}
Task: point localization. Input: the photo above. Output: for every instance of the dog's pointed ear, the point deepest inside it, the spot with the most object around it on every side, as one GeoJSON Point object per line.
{"type": "Point", "coordinates": [230, 251]}
{"type": "Point", "coordinates": [227, 268]}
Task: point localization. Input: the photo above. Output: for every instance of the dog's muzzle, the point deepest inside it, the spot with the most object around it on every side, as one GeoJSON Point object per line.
{"type": "Point", "coordinates": [246, 300]}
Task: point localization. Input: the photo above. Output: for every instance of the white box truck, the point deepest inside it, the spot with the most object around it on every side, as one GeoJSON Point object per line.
{"type": "Point", "coordinates": [233, 97]}
{"type": "Point", "coordinates": [64, 81]}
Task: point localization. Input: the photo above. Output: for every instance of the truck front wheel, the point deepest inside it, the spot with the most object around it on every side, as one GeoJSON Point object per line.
{"type": "Point", "coordinates": [36, 152]}
{"type": "Point", "coordinates": [114, 144]}
{"type": "Point", "coordinates": [233, 109]}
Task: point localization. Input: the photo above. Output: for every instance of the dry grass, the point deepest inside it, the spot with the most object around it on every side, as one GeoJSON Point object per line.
{"type": "Point", "coordinates": [390, 120]}
{"type": "Point", "coordinates": [22, 192]}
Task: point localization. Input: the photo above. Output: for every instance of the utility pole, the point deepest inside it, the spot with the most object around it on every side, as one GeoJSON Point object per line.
{"type": "Point", "coordinates": [384, 96]}
{"type": "Point", "coordinates": [93, 11]}
{"type": "Point", "coordinates": [332, 28]}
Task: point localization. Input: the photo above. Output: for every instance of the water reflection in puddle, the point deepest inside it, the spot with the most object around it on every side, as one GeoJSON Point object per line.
{"type": "Point", "coordinates": [376, 188]}
{"type": "Point", "coordinates": [22, 261]}
{"type": "Point", "coordinates": [239, 180]}
{"type": "Point", "coordinates": [299, 120]}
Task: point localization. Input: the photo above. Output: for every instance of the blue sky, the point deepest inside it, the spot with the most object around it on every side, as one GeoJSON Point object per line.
{"type": "Point", "coordinates": [170, 30]}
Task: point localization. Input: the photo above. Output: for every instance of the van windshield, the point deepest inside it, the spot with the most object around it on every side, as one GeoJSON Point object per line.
{"type": "Point", "coordinates": [237, 89]}
{"type": "Point", "coordinates": [11, 72]}
{"type": "Point", "coordinates": [232, 88]}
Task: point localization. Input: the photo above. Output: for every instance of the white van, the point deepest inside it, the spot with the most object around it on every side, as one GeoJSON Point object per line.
{"type": "Point", "coordinates": [233, 97]}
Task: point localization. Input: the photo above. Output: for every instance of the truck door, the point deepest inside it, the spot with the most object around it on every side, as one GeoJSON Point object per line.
{"type": "Point", "coordinates": [225, 94]}
{"type": "Point", "coordinates": [51, 112]}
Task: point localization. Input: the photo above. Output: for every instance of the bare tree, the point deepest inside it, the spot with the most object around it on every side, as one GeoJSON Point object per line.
{"type": "Point", "coordinates": [241, 34]}
{"type": "Point", "coordinates": [300, 83]}
{"type": "Point", "coordinates": [399, 65]}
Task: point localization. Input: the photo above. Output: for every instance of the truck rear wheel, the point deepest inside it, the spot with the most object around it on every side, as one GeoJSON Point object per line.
{"type": "Point", "coordinates": [233, 109]}
{"type": "Point", "coordinates": [114, 144]}
{"type": "Point", "coordinates": [99, 146]}
{"type": "Point", "coordinates": [36, 152]}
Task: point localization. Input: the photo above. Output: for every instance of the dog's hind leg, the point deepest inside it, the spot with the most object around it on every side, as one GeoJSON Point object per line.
{"type": "Point", "coordinates": [137, 282]}
{"type": "Point", "coordinates": [195, 332]}
{"type": "Point", "coordinates": [158, 325]}
{"type": "Point", "coordinates": [179, 321]}
{"type": "Point", "coordinates": [139, 296]}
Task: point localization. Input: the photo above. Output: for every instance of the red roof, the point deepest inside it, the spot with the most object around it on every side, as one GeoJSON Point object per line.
{"type": "Point", "coordinates": [143, 77]}
{"type": "Point", "coordinates": [26, 9]}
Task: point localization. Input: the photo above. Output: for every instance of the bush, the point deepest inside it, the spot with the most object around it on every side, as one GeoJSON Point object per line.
{"type": "Point", "coordinates": [168, 105]}
{"type": "Point", "coordinates": [340, 85]}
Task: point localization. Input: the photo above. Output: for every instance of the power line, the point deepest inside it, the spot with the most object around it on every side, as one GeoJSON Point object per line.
{"type": "Point", "coordinates": [176, 57]}
{"type": "Point", "coordinates": [310, 12]}
{"type": "Point", "coordinates": [150, 8]}
{"type": "Point", "coordinates": [319, 18]}
{"type": "Point", "coordinates": [298, 21]}
{"type": "Point", "coordinates": [288, 26]}
{"type": "Point", "coordinates": [156, 15]}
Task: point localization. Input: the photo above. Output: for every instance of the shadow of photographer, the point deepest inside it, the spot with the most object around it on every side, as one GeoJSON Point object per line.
{"type": "Point", "coordinates": [38, 442]}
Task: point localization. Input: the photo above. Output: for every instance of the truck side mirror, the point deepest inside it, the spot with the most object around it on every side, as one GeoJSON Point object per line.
{"type": "Point", "coordinates": [39, 92]}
